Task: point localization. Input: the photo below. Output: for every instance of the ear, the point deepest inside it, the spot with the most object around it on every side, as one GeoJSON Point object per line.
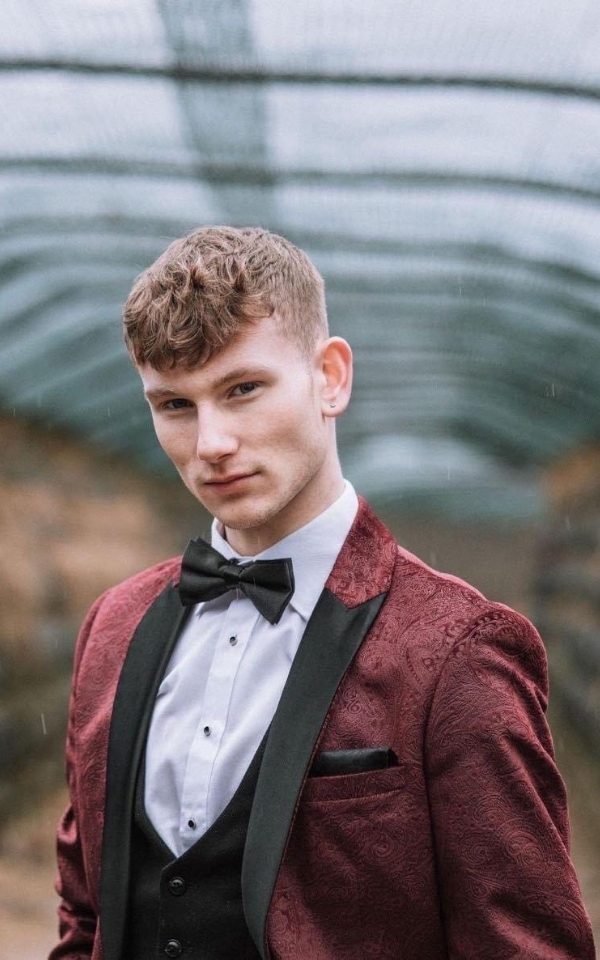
{"type": "Point", "coordinates": [334, 359]}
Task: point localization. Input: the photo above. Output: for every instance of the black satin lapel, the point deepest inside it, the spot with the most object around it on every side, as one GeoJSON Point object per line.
{"type": "Point", "coordinates": [144, 665]}
{"type": "Point", "coordinates": [332, 636]}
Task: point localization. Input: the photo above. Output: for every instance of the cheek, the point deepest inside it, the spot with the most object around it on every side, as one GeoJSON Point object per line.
{"type": "Point", "coordinates": [173, 441]}
{"type": "Point", "coordinates": [285, 428]}
{"type": "Point", "coordinates": [297, 434]}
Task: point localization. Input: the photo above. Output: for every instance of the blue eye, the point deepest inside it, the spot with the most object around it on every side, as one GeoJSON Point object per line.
{"type": "Point", "coordinates": [178, 404]}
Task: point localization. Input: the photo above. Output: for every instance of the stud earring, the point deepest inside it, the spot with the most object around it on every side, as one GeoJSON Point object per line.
{"type": "Point", "coordinates": [332, 405]}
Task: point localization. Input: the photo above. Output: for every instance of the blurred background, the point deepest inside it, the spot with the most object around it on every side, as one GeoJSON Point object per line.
{"type": "Point", "coordinates": [440, 163]}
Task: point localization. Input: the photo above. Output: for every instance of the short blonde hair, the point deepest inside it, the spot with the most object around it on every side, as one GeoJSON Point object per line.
{"type": "Point", "coordinates": [206, 286]}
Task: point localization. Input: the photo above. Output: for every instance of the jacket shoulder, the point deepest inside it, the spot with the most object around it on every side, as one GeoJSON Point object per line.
{"type": "Point", "coordinates": [116, 613]}
{"type": "Point", "coordinates": [448, 603]}
{"type": "Point", "coordinates": [448, 584]}
{"type": "Point", "coordinates": [144, 586]}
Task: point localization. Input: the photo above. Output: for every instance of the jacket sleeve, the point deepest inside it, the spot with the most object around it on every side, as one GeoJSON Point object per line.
{"type": "Point", "coordinates": [498, 804]}
{"type": "Point", "coordinates": [77, 917]}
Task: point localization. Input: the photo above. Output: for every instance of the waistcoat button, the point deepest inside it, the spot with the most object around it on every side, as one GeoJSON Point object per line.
{"type": "Point", "coordinates": [173, 948]}
{"type": "Point", "coordinates": [177, 886]}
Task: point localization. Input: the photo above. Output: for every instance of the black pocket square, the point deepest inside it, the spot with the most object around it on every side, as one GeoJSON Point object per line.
{"type": "Point", "coordinates": [331, 763]}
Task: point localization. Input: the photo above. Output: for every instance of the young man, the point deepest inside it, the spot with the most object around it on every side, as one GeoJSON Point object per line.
{"type": "Point", "coordinates": [299, 742]}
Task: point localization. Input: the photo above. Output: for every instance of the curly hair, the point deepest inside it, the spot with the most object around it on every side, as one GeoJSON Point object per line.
{"type": "Point", "coordinates": [208, 285]}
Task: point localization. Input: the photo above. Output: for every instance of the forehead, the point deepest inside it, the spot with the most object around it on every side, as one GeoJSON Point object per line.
{"type": "Point", "coordinates": [259, 348]}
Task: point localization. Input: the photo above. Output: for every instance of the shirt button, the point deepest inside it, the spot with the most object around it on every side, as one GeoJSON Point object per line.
{"type": "Point", "coordinates": [207, 731]}
{"type": "Point", "coordinates": [192, 824]}
{"type": "Point", "coordinates": [233, 640]}
{"type": "Point", "coordinates": [177, 886]}
{"type": "Point", "coordinates": [173, 948]}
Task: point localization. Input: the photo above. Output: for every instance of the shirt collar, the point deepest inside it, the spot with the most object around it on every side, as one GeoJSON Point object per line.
{"type": "Point", "coordinates": [313, 549]}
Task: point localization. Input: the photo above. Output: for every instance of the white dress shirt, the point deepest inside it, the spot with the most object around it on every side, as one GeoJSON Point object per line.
{"type": "Point", "coordinates": [224, 681]}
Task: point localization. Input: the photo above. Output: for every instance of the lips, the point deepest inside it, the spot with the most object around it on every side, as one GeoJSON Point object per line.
{"type": "Point", "coordinates": [228, 481]}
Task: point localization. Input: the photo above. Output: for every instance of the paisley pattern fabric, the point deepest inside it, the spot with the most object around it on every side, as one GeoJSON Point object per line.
{"type": "Point", "coordinates": [461, 851]}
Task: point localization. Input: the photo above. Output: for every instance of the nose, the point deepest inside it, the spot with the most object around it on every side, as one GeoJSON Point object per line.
{"type": "Point", "coordinates": [214, 440]}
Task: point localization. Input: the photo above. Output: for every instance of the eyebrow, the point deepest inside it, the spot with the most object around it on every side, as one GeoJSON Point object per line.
{"type": "Point", "coordinates": [240, 373]}
{"type": "Point", "coordinates": [160, 392]}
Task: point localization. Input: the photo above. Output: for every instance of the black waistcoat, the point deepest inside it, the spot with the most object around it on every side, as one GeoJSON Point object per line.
{"type": "Point", "coordinates": [191, 906]}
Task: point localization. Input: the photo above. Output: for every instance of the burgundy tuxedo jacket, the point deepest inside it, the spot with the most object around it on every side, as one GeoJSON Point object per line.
{"type": "Point", "coordinates": [458, 852]}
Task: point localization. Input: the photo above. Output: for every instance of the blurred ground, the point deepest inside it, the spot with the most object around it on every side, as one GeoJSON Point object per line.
{"type": "Point", "coordinates": [27, 899]}
{"type": "Point", "coordinates": [583, 786]}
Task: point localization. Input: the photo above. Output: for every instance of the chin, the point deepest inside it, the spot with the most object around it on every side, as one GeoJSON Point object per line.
{"type": "Point", "coordinates": [244, 519]}
{"type": "Point", "coordinates": [256, 509]}
{"type": "Point", "coordinates": [250, 513]}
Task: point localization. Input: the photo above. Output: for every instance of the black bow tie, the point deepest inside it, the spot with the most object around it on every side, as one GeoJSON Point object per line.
{"type": "Point", "coordinates": [207, 574]}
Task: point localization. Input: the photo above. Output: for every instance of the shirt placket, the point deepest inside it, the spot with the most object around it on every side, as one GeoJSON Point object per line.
{"type": "Point", "coordinates": [237, 625]}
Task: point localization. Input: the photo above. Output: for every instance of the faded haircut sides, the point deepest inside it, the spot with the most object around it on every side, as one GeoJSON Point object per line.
{"type": "Point", "coordinates": [207, 286]}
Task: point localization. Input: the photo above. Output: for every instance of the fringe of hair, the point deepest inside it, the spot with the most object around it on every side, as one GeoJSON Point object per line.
{"type": "Point", "coordinates": [207, 286]}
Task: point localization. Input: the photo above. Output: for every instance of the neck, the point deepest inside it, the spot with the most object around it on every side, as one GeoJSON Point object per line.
{"type": "Point", "coordinates": [312, 500]}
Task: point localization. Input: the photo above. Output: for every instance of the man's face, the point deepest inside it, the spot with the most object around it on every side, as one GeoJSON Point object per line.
{"type": "Point", "coordinates": [247, 433]}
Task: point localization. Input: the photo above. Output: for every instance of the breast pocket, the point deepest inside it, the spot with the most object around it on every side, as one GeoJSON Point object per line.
{"type": "Point", "coordinates": [353, 786]}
